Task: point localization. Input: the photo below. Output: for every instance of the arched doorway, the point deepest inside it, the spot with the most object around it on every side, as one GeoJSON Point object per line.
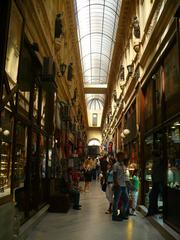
{"type": "Point", "coordinates": [93, 147]}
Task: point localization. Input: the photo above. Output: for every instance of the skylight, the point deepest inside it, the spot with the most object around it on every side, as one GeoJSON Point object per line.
{"type": "Point", "coordinates": [97, 22]}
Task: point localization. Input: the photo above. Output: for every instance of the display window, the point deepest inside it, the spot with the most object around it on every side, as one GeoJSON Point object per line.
{"type": "Point", "coordinates": [148, 146]}
{"type": "Point", "coordinates": [35, 101]}
{"type": "Point", "coordinates": [43, 108]}
{"type": "Point", "coordinates": [34, 155]}
{"type": "Point", "coordinates": [173, 155]}
{"type": "Point", "coordinates": [43, 156]}
{"type": "Point", "coordinates": [6, 125]}
{"type": "Point", "coordinates": [21, 155]}
{"type": "Point", "coordinates": [152, 142]}
{"type": "Point", "coordinates": [172, 212]}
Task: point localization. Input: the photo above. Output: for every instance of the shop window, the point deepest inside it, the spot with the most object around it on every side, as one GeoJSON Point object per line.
{"type": "Point", "coordinates": [152, 142]}
{"type": "Point", "coordinates": [13, 45]}
{"type": "Point", "coordinates": [148, 146]}
{"type": "Point", "coordinates": [35, 101]}
{"type": "Point", "coordinates": [43, 108]}
{"type": "Point", "coordinates": [6, 124]}
{"type": "Point", "coordinates": [173, 154]}
{"type": "Point", "coordinates": [94, 119]}
{"type": "Point", "coordinates": [43, 156]}
{"type": "Point", "coordinates": [20, 160]}
{"type": "Point", "coordinates": [34, 155]}
{"type": "Point", "coordinates": [50, 160]}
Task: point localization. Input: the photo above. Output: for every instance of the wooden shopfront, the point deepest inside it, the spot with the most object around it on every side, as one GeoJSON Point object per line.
{"type": "Point", "coordinates": [161, 122]}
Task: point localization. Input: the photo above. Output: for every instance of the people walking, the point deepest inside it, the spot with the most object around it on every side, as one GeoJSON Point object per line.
{"type": "Point", "coordinates": [109, 184]}
{"type": "Point", "coordinates": [87, 170]}
{"type": "Point", "coordinates": [119, 188]}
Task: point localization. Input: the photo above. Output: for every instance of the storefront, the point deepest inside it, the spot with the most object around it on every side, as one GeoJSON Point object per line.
{"type": "Point", "coordinates": [162, 132]}
{"type": "Point", "coordinates": [26, 116]}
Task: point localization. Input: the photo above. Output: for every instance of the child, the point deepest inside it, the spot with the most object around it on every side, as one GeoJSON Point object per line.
{"type": "Point", "coordinates": [135, 191]}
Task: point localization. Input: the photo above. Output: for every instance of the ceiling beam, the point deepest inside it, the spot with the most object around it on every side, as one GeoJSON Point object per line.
{"type": "Point", "coordinates": [95, 88]}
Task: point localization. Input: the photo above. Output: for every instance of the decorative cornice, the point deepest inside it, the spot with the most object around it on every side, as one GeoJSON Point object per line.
{"type": "Point", "coordinates": [164, 20]}
{"type": "Point", "coordinates": [122, 31]}
{"type": "Point", "coordinates": [72, 28]}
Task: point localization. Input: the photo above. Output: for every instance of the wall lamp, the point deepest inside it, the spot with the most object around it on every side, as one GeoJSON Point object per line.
{"type": "Point", "coordinates": [125, 132]}
{"type": "Point", "coordinates": [62, 68]}
{"type": "Point", "coordinates": [130, 69]}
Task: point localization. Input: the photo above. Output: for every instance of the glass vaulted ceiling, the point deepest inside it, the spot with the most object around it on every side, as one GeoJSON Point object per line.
{"type": "Point", "coordinates": [97, 22]}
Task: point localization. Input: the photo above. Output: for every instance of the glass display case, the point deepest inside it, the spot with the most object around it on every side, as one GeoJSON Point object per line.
{"type": "Point", "coordinates": [43, 156]}
{"type": "Point", "coordinates": [5, 168]}
{"type": "Point", "coordinates": [173, 175]}
{"type": "Point", "coordinates": [173, 154]}
{"type": "Point", "coordinates": [43, 108]}
{"type": "Point", "coordinates": [148, 167]}
{"type": "Point", "coordinates": [20, 161]}
{"type": "Point", "coordinates": [35, 101]}
{"type": "Point", "coordinates": [5, 152]}
{"type": "Point", "coordinates": [151, 142]}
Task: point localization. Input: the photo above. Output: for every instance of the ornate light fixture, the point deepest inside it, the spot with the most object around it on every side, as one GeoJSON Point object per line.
{"type": "Point", "coordinates": [62, 68]}
{"type": "Point", "coordinates": [122, 135]}
{"type": "Point", "coordinates": [126, 131]}
{"type": "Point", "coordinates": [136, 46]}
{"type": "Point", "coordinates": [130, 69]}
{"type": "Point", "coordinates": [6, 132]}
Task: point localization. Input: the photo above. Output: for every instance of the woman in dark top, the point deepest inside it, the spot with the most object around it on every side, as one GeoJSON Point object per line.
{"type": "Point", "coordinates": [87, 175]}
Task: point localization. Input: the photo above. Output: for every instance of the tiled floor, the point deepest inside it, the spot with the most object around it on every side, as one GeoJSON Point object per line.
{"type": "Point", "coordinates": [91, 223]}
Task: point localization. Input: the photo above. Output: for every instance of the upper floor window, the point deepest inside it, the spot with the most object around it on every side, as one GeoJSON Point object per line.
{"type": "Point", "coordinates": [94, 119]}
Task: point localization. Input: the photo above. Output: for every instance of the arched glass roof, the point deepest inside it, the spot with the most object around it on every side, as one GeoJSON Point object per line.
{"type": "Point", "coordinates": [97, 22]}
{"type": "Point", "coordinates": [95, 101]}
